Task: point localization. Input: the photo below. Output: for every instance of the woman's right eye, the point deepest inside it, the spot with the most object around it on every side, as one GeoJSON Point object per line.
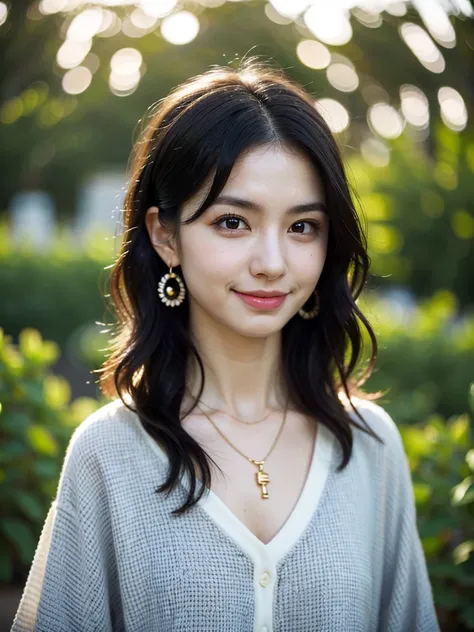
{"type": "Point", "coordinates": [231, 222]}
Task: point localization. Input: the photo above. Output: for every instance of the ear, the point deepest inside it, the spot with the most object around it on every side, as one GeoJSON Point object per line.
{"type": "Point", "coordinates": [161, 239]}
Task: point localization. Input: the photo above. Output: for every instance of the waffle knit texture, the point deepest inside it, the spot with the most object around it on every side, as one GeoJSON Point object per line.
{"type": "Point", "coordinates": [111, 557]}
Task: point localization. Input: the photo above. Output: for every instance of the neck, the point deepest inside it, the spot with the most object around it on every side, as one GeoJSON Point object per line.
{"type": "Point", "coordinates": [243, 375]}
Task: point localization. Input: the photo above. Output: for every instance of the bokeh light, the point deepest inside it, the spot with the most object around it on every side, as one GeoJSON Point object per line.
{"type": "Point", "coordinates": [3, 13]}
{"type": "Point", "coordinates": [273, 15]}
{"type": "Point", "coordinates": [180, 28]}
{"type": "Point", "coordinates": [398, 9]}
{"type": "Point", "coordinates": [334, 113]}
{"type": "Point", "coordinates": [71, 53]}
{"type": "Point", "coordinates": [125, 73]}
{"type": "Point", "coordinates": [158, 8]}
{"type": "Point", "coordinates": [423, 47]}
{"type": "Point", "coordinates": [343, 77]}
{"type": "Point", "coordinates": [329, 23]}
{"type": "Point", "coordinates": [85, 25]}
{"type": "Point", "coordinates": [49, 7]}
{"type": "Point", "coordinates": [385, 121]}
{"type": "Point", "coordinates": [77, 80]}
{"type": "Point", "coordinates": [375, 151]}
{"type": "Point", "coordinates": [414, 105]}
{"type": "Point", "coordinates": [313, 54]}
{"type": "Point", "coordinates": [368, 17]}
{"type": "Point", "coordinates": [437, 22]}
{"type": "Point", "coordinates": [453, 109]}
{"type": "Point", "coordinates": [290, 8]}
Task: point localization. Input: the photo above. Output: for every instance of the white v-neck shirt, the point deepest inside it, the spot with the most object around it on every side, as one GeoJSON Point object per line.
{"type": "Point", "coordinates": [112, 557]}
{"type": "Point", "coordinates": [265, 557]}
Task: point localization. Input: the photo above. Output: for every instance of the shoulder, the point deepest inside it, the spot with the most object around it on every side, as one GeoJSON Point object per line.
{"type": "Point", "coordinates": [375, 416]}
{"type": "Point", "coordinates": [110, 424]}
{"type": "Point", "coordinates": [106, 436]}
{"type": "Point", "coordinates": [109, 450]}
{"type": "Point", "coordinates": [383, 425]}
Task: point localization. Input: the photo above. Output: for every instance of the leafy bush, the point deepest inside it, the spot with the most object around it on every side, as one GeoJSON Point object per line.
{"type": "Point", "coordinates": [55, 292]}
{"type": "Point", "coordinates": [441, 456]}
{"type": "Point", "coordinates": [426, 357]}
{"type": "Point", "coordinates": [421, 213]}
{"type": "Point", "coordinates": [36, 423]}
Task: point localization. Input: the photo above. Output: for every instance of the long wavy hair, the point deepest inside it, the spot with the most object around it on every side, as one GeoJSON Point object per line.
{"type": "Point", "coordinates": [200, 129]}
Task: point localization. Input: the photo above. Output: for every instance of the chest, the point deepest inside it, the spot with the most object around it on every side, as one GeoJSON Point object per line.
{"type": "Point", "coordinates": [283, 475]}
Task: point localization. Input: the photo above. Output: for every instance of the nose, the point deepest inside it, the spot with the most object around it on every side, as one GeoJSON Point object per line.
{"type": "Point", "coordinates": [268, 256]}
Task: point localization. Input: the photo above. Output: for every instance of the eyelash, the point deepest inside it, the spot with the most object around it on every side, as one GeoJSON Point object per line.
{"type": "Point", "coordinates": [314, 223]}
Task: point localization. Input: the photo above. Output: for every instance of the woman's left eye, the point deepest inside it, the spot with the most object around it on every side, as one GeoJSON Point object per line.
{"type": "Point", "coordinates": [316, 226]}
{"type": "Point", "coordinates": [232, 224]}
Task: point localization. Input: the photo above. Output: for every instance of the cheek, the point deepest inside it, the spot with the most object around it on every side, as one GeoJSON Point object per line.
{"type": "Point", "coordinates": [308, 262]}
{"type": "Point", "coordinates": [207, 267]}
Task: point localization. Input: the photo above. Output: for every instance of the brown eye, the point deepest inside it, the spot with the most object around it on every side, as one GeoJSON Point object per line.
{"type": "Point", "coordinates": [315, 226]}
{"type": "Point", "coordinates": [229, 223]}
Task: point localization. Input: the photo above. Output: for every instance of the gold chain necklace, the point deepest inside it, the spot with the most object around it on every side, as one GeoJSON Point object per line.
{"type": "Point", "coordinates": [261, 476]}
{"type": "Point", "coordinates": [248, 423]}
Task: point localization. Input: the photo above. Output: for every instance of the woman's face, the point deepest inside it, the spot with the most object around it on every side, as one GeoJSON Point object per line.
{"type": "Point", "coordinates": [264, 243]}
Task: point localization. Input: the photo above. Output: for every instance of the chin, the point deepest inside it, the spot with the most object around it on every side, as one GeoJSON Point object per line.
{"type": "Point", "coordinates": [260, 330]}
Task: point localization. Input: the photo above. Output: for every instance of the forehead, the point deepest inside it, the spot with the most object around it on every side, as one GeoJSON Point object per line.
{"type": "Point", "coordinates": [275, 177]}
{"type": "Point", "coordinates": [277, 172]}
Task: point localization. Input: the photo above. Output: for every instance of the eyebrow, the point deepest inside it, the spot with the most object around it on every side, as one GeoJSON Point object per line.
{"type": "Point", "coordinates": [253, 206]}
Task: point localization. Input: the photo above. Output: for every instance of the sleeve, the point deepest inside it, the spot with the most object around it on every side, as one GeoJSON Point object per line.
{"type": "Point", "coordinates": [72, 583]}
{"type": "Point", "coordinates": [407, 600]}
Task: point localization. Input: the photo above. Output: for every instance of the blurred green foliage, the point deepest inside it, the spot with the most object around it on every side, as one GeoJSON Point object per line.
{"type": "Point", "coordinates": [55, 292]}
{"type": "Point", "coordinates": [420, 213]}
{"type": "Point", "coordinates": [426, 356]}
{"type": "Point", "coordinates": [37, 419]}
{"type": "Point", "coordinates": [441, 457]}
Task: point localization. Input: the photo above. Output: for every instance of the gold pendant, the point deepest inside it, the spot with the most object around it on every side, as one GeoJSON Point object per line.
{"type": "Point", "coordinates": [262, 477]}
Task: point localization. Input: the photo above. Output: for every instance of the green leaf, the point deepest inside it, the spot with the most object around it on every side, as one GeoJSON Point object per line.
{"type": "Point", "coordinates": [422, 492]}
{"type": "Point", "coordinates": [45, 469]}
{"type": "Point", "coordinates": [56, 391]}
{"type": "Point", "coordinates": [42, 441]}
{"type": "Point", "coordinates": [467, 616]}
{"type": "Point", "coordinates": [463, 493]}
{"type": "Point", "coordinates": [415, 442]}
{"type": "Point", "coordinates": [20, 534]}
{"type": "Point", "coordinates": [431, 545]}
{"type": "Point", "coordinates": [29, 505]}
{"type": "Point", "coordinates": [463, 551]}
{"type": "Point", "coordinates": [33, 391]}
{"type": "Point", "coordinates": [459, 430]}
{"type": "Point", "coordinates": [6, 565]}
{"type": "Point", "coordinates": [448, 599]}
{"type": "Point", "coordinates": [16, 422]}
{"type": "Point", "coordinates": [13, 450]}
{"type": "Point", "coordinates": [471, 396]}
{"type": "Point", "coordinates": [470, 459]}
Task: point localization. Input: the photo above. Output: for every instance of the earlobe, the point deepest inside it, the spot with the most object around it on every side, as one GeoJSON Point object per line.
{"type": "Point", "coordinates": [159, 237]}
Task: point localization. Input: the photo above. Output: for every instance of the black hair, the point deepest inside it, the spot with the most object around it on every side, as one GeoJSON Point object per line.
{"type": "Point", "coordinates": [194, 134]}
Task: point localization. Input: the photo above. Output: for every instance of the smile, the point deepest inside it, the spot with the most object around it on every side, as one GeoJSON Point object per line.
{"type": "Point", "coordinates": [260, 302]}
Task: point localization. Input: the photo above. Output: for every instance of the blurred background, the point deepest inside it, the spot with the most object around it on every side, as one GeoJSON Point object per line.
{"type": "Point", "coordinates": [394, 80]}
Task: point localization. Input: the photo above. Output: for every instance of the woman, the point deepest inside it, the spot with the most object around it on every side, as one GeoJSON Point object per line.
{"type": "Point", "coordinates": [238, 339]}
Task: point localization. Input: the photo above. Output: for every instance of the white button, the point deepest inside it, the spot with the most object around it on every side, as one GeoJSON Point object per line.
{"type": "Point", "coordinates": [264, 579]}
{"type": "Point", "coordinates": [264, 629]}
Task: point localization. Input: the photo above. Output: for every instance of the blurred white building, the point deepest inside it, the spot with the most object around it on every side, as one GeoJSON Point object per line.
{"type": "Point", "coordinates": [32, 219]}
{"type": "Point", "coordinates": [100, 205]}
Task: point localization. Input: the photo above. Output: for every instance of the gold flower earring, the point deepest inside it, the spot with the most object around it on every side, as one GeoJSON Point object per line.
{"type": "Point", "coordinates": [314, 311]}
{"type": "Point", "coordinates": [171, 289]}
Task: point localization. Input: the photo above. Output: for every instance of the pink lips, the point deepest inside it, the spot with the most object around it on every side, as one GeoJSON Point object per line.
{"type": "Point", "coordinates": [260, 302]}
